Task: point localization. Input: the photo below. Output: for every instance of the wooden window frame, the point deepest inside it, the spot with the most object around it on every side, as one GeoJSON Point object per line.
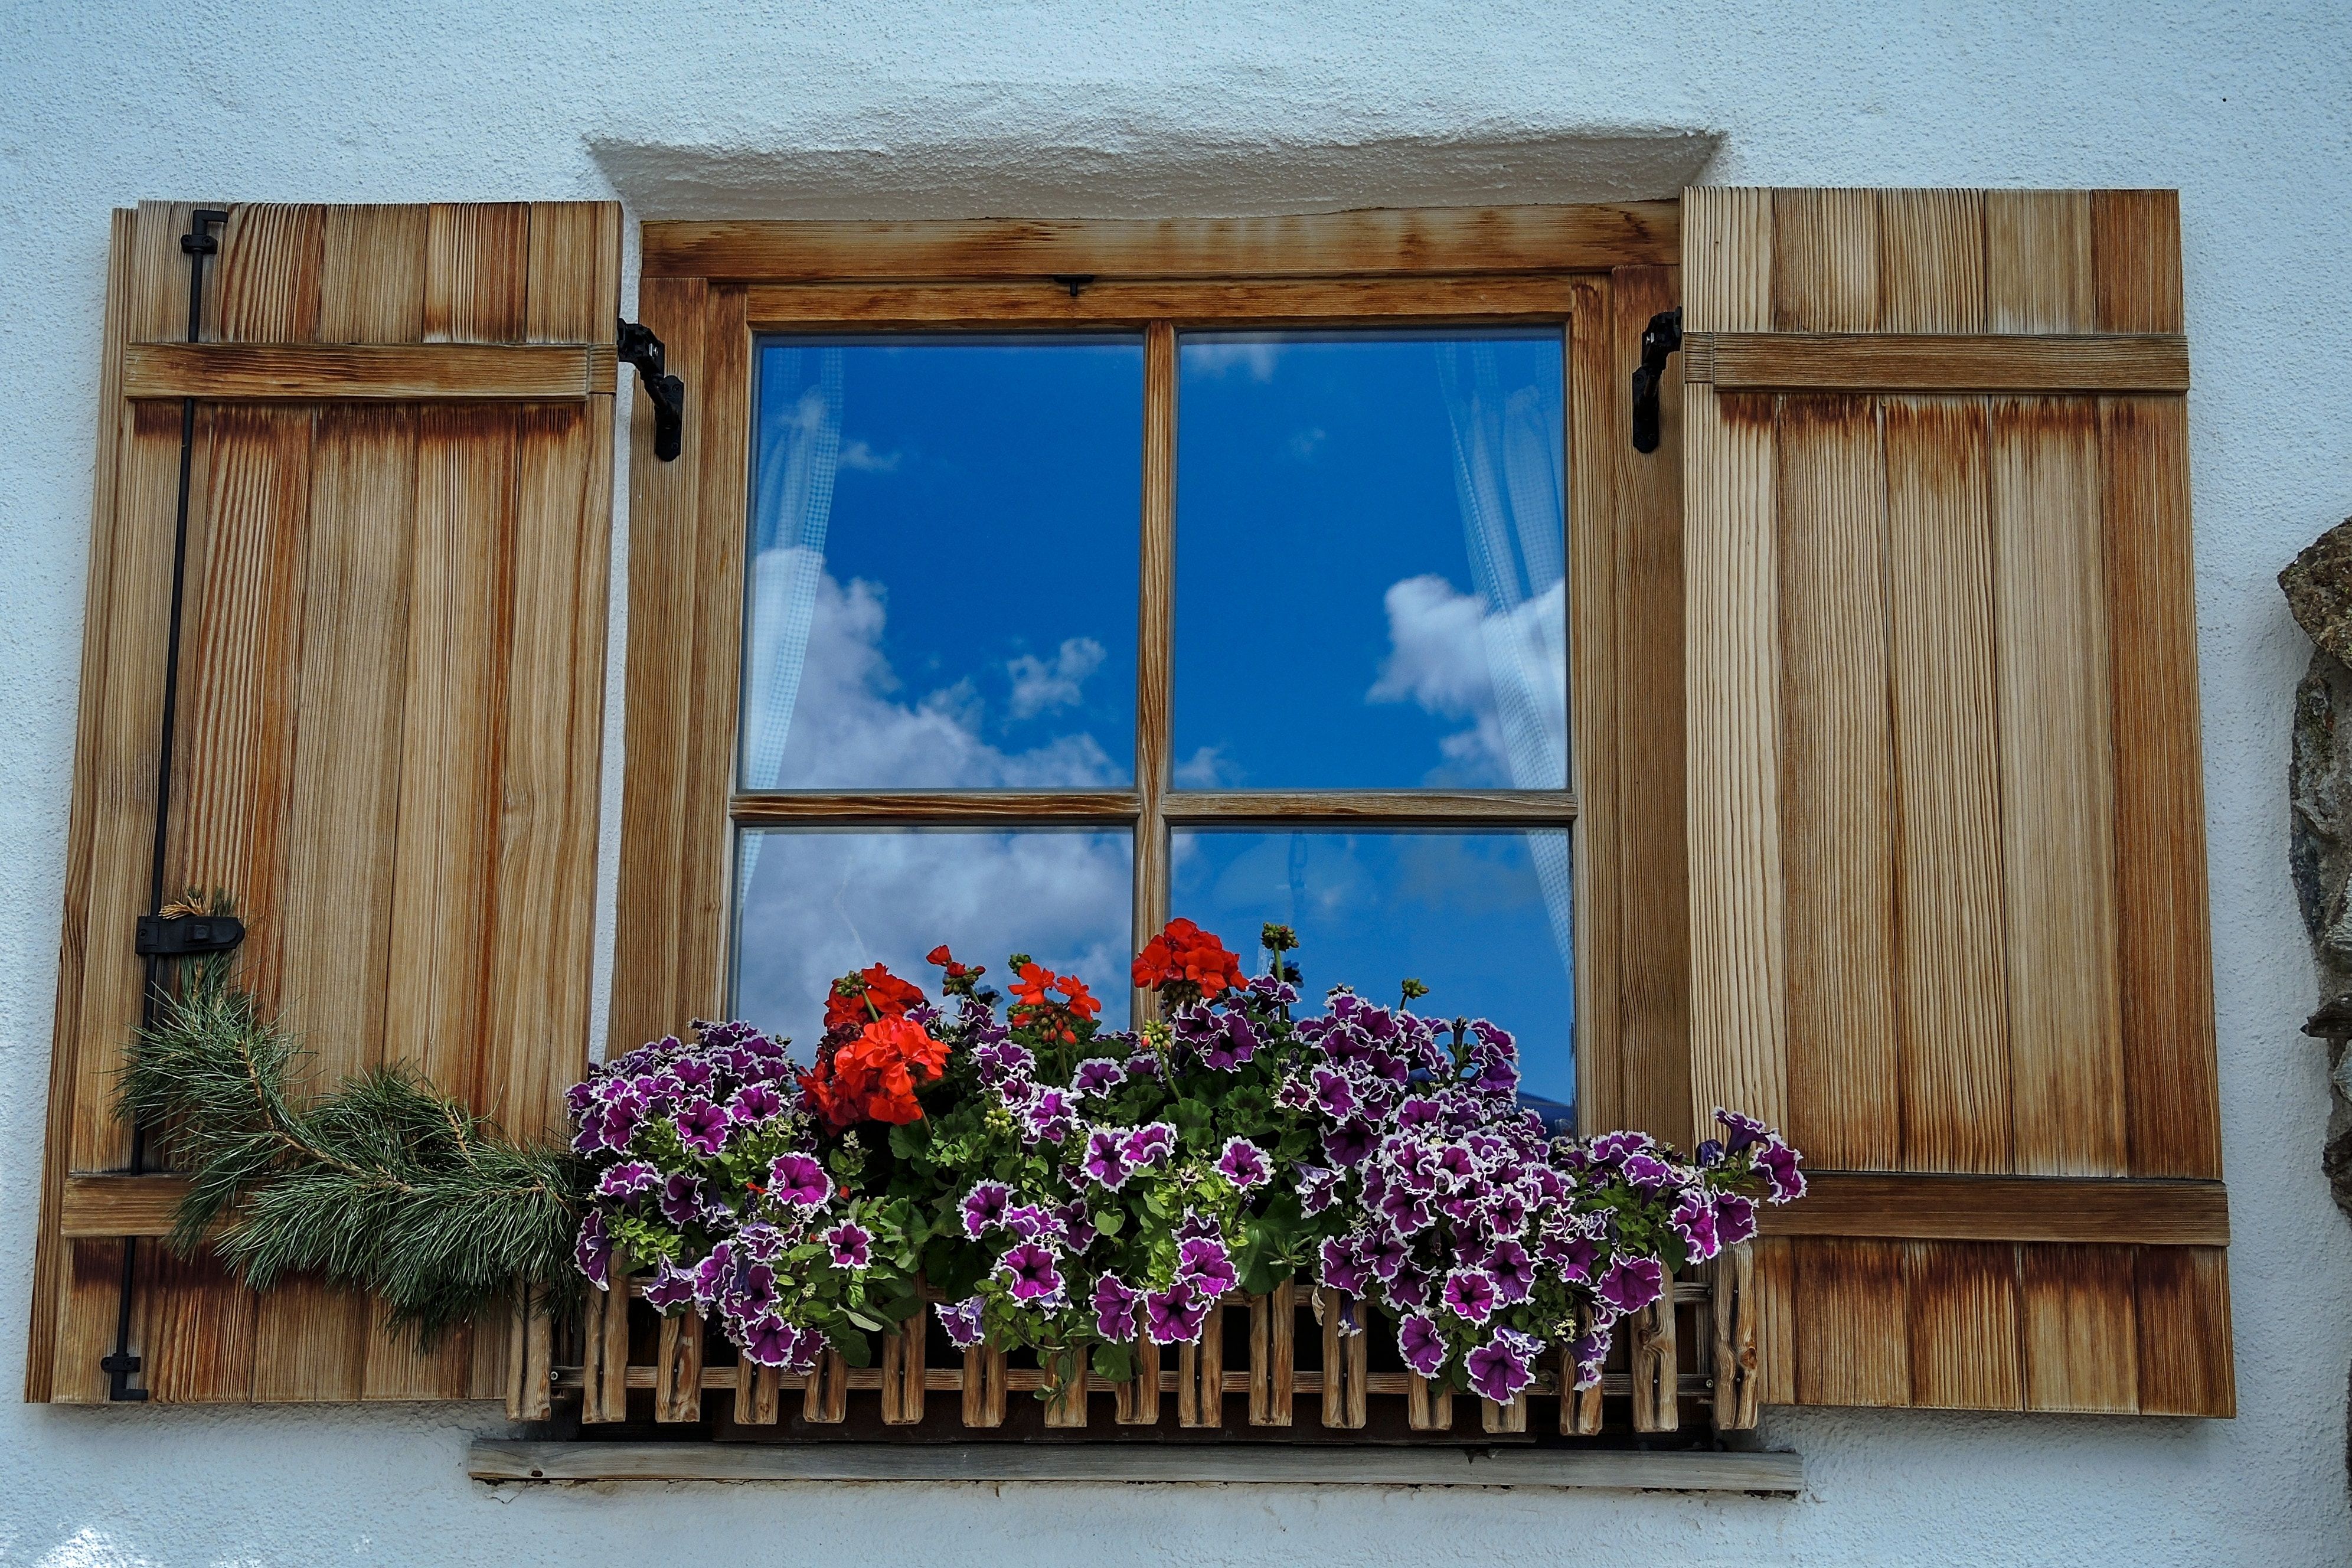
{"type": "Point", "coordinates": [711, 291]}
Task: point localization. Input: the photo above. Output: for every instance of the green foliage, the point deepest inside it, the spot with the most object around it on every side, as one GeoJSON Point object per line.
{"type": "Point", "coordinates": [385, 1183]}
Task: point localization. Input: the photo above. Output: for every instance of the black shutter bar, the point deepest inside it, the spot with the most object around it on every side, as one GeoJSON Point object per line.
{"type": "Point", "coordinates": [160, 936]}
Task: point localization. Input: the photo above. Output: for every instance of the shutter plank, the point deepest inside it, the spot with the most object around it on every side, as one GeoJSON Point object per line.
{"type": "Point", "coordinates": [1961, 1300]}
{"type": "Point", "coordinates": [371, 281]}
{"type": "Point", "coordinates": [2058, 790]}
{"type": "Point", "coordinates": [720, 438]}
{"type": "Point", "coordinates": [2165, 974]}
{"type": "Point", "coordinates": [1932, 261]}
{"type": "Point", "coordinates": [2080, 1329]}
{"type": "Point", "coordinates": [2182, 1310]}
{"type": "Point", "coordinates": [2038, 276]}
{"type": "Point", "coordinates": [1837, 786]}
{"type": "Point", "coordinates": [1653, 847]}
{"type": "Point", "coordinates": [54, 1274]}
{"type": "Point", "coordinates": [1955, 1030]}
{"type": "Point", "coordinates": [1852, 1338]}
{"type": "Point", "coordinates": [1825, 273]}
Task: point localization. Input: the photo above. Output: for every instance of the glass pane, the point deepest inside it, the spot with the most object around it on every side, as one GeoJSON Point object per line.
{"type": "Point", "coordinates": [1368, 547]}
{"type": "Point", "coordinates": [1484, 920]}
{"type": "Point", "coordinates": [942, 582]}
{"type": "Point", "coordinates": [815, 904]}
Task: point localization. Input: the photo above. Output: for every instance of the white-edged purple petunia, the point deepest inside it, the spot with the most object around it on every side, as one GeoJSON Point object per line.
{"type": "Point", "coordinates": [1245, 1164]}
{"type": "Point", "coordinates": [798, 1181]}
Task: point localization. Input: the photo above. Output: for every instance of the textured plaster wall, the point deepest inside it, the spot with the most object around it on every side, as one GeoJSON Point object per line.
{"type": "Point", "coordinates": [907, 108]}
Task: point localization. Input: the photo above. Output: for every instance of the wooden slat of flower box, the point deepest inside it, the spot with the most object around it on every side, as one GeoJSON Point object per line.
{"type": "Point", "coordinates": [1732, 1361]}
{"type": "Point", "coordinates": [1651, 1346]}
{"type": "Point", "coordinates": [824, 1395]}
{"type": "Point", "coordinates": [678, 1376]}
{"type": "Point", "coordinates": [1273, 1326]}
{"type": "Point", "coordinates": [903, 1382]}
{"type": "Point", "coordinates": [983, 1386]}
{"type": "Point", "coordinates": [1201, 1382]}
{"type": "Point", "coordinates": [1428, 1406]}
{"type": "Point", "coordinates": [1344, 1365]}
{"type": "Point", "coordinates": [1139, 1396]}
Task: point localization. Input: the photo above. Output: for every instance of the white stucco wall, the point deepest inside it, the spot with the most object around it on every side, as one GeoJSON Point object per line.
{"type": "Point", "coordinates": [903, 107]}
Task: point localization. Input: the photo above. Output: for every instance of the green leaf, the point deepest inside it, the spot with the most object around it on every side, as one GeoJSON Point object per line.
{"type": "Point", "coordinates": [909, 1139]}
{"type": "Point", "coordinates": [1110, 1222]}
{"type": "Point", "coordinates": [863, 1321]}
{"type": "Point", "coordinates": [855, 1349]}
{"type": "Point", "coordinates": [1115, 1363]}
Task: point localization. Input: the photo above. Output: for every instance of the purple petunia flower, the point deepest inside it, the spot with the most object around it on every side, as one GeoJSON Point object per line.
{"type": "Point", "coordinates": [1419, 1343]}
{"type": "Point", "coordinates": [1416, 1113]}
{"type": "Point", "coordinates": [1114, 1310]}
{"type": "Point", "coordinates": [1176, 1314]}
{"type": "Point", "coordinates": [628, 1179]}
{"type": "Point", "coordinates": [1778, 1162]}
{"type": "Point", "coordinates": [1198, 1226]}
{"type": "Point", "coordinates": [1503, 1364]}
{"type": "Point", "coordinates": [1205, 1262]}
{"type": "Point", "coordinates": [1735, 1219]}
{"type": "Point", "coordinates": [712, 1275]}
{"type": "Point", "coordinates": [1616, 1148]}
{"type": "Point", "coordinates": [1630, 1284]}
{"type": "Point", "coordinates": [1149, 1143]}
{"type": "Point", "coordinates": [1348, 1144]}
{"type": "Point", "coordinates": [756, 1102]}
{"type": "Point", "coordinates": [769, 1341]}
{"type": "Point", "coordinates": [1470, 1294]}
{"type": "Point", "coordinates": [1406, 1214]}
{"type": "Point", "coordinates": [1106, 1158]}
{"type": "Point", "coordinates": [1514, 1272]}
{"type": "Point", "coordinates": [1098, 1075]}
{"type": "Point", "coordinates": [963, 1320]}
{"type": "Point", "coordinates": [1074, 1225]}
{"type": "Point", "coordinates": [851, 1243]}
{"type": "Point", "coordinates": [799, 1181]}
{"type": "Point", "coordinates": [1229, 1046]}
{"type": "Point", "coordinates": [1335, 1096]}
{"type": "Point", "coordinates": [1384, 1255]}
{"type": "Point", "coordinates": [1410, 1289]}
{"type": "Point", "coordinates": [752, 1291]}
{"type": "Point", "coordinates": [1033, 1278]}
{"type": "Point", "coordinates": [591, 1253]}
{"type": "Point", "coordinates": [1456, 1166]}
{"type": "Point", "coordinates": [1318, 1189]}
{"type": "Point", "coordinates": [984, 1206]}
{"type": "Point", "coordinates": [1647, 1173]}
{"type": "Point", "coordinates": [1589, 1352]}
{"type": "Point", "coordinates": [1245, 1164]}
{"type": "Point", "coordinates": [672, 1287]}
{"type": "Point", "coordinates": [1693, 1220]}
{"type": "Point", "coordinates": [681, 1199]}
{"type": "Point", "coordinates": [1742, 1129]}
{"type": "Point", "coordinates": [1033, 1222]}
{"type": "Point", "coordinates": [1341, 1271]}
{"type": "Point", "coordinates": [702, 1127]}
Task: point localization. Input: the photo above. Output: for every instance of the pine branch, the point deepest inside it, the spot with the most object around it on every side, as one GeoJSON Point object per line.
{"type": "Point", "coordinates": [385, 1183]}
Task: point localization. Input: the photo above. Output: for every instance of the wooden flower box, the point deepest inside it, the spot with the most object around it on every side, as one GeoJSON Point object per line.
{"type": "Point", "coordinates": [1697, 1346]}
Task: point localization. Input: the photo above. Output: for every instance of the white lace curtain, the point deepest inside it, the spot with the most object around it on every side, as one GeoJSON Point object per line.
{"type": "Point", "coordinates": [1507, 464]}
{"type": "Point", "coordinates": [799, 454]}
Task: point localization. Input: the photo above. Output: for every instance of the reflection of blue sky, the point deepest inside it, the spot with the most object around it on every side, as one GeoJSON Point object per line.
{"type": "Point", "coordinates": [1462, 913]}
{"type": "Point", "coordinates": [969, 622]}
{"type": "Point", "coordinates": [1331, 627]}
{"type": "Point", "coordinates": [973, 624]}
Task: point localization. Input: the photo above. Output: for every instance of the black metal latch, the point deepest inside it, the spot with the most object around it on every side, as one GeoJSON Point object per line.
{"type": "Point", "coordinates": [186, 936]}
{"type": "Point", "coordinates": [639, 347]}
{"type": "Point", "coordinates": [1662, 337]}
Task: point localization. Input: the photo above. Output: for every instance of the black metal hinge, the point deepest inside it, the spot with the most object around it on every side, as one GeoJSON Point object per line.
{"type": "Point", "coordinates": [1662, 337]}
{"type": "Point", "coordinates": [639, 347]}
{"type": "Point", "coordinates": [186, 936]}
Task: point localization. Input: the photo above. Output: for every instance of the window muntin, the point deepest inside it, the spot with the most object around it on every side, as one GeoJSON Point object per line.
{"type": "Point", "coordinates": [1156, 802]}
{"type": "Point", "coordinates": [1369, 560]}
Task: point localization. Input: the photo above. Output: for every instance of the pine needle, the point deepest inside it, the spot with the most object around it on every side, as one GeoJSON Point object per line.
{"type": "Point", "coordinates": [385, 1184]}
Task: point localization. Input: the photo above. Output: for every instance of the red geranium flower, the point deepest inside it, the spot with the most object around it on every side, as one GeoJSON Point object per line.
{"type": "Point", "coordinates": [872, 1077]}
{"type": "Point", "coordinates": [1186, 957]}
{"type": "Point", "coordinates": [871, 993]}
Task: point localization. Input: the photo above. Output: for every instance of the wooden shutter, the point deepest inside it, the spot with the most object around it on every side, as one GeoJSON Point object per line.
{"type": "Point", "coordinates": [1948, 913]}
{"type": "Point", "coordinates": [390, 689]}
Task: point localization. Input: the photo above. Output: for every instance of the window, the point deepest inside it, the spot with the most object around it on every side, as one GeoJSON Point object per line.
{"type": "Point", "coordinates": [1048, 635]}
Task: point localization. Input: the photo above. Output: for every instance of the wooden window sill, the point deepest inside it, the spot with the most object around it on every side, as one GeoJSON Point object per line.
{"type": "Point", "coordinates": [1776, 1473]}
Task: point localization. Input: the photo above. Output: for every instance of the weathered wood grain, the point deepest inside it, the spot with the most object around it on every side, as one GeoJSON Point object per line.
{"type": "Point", "coordinates": [1273, 1360]}
{"type": "Point", "coordinates": [1040, 302]}
{"type": "Point", "coordinates": [1837, 786]}
{"type": "Point", "coordinates": [2180, 1309]}
{"type": "Point", "coordinates": [2079, 1325]}
{"type": "Point", "coordinates": [1849, 1310]}
{"type": "Point", "coordinates": [1961, 1312]}
{"type": "Point", "coordinates": [1868, 362]}
{"type": "Point", "coordinates": [371, 373]}
{"type": "Point", "coordinates": [2007, 1208]}
{"type": "Point", "coordinates": [1373, 242]}
{"type": "Point", "coordinates": [1653, 1356]}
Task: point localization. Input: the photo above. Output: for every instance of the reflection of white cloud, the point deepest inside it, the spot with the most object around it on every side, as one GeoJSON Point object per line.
{"type": "Point", "coordinates": [865, 460]}
{"type": "Point", "coordinates": [851, 729]}
{"type": "Point", "coordinates": [1444, 644]}
{"type": "Point", "coordinates": [1221, 356]}
{"type": "Point", "coordinates": [1305, 443]}
{"type": "Point", "coordinates": [821, 903]}
{"type": "Point", "coordinates": [1207, 768]}
{"type": "Point", "coordinates": [825, 903]}
{"type": "Point", "coordinates": [1038, 686]}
